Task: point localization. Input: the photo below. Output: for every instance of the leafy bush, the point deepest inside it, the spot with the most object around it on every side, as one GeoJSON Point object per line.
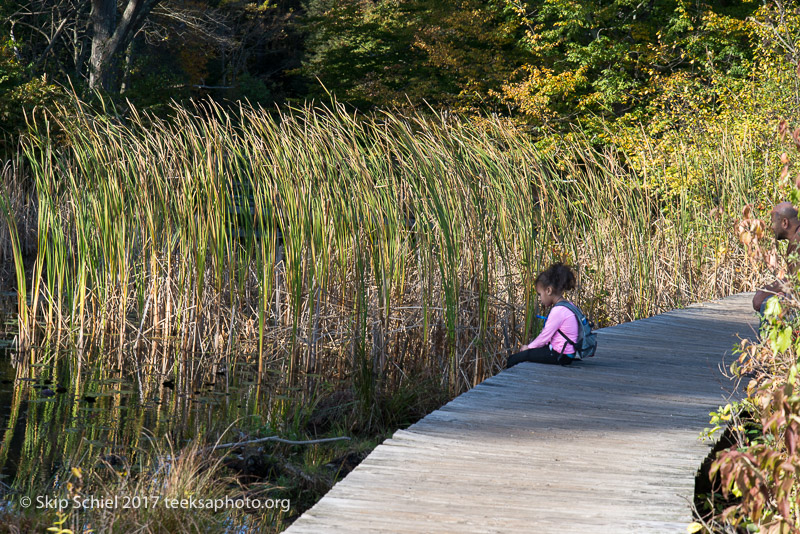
{"type": "Point", "coordinates": [764, 472]}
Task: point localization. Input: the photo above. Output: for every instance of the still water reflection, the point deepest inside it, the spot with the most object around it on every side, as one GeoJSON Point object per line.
{"type": "Point", "coordinates": [57, 416]}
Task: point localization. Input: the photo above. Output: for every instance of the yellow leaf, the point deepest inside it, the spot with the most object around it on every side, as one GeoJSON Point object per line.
{"type": "Point", "coordinates": [77, 472]}
{"type": "Point", "coordinates": [746, 237]}
{"type": "Point", "coordinates": [694, 527]}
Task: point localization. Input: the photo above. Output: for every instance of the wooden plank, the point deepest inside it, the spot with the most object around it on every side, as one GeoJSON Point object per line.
{"type": "Point", "coordinates": [607, 445]}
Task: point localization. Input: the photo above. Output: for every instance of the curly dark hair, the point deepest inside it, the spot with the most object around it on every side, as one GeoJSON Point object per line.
{"type": "Point", "coordinates": [558, 276]}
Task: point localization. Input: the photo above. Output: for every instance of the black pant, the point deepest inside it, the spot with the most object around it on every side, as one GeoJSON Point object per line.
{"type": "Point", "coordinates": [538, 355]}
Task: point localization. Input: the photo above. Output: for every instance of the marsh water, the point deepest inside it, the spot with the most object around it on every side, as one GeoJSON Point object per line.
{"type": "Point", "coordinates": [61, 417]}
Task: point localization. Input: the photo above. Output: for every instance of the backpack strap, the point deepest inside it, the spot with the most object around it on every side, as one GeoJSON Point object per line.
{"type": "Point", "coordinates": [577, 311]}
{"type": "Point", "coordinates": [568, 340]}
{"type": "Point", "coordinates": [570, 307]}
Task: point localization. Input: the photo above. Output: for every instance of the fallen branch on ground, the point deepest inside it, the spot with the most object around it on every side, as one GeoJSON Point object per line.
{"type": "Point", "coordinates": [270, 438]}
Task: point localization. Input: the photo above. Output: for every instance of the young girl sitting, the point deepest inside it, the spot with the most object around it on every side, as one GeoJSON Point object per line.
{"type": "Point", "coordinates": [550, 346]}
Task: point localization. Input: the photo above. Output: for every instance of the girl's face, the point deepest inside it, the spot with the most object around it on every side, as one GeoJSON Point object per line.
{"type": "Point", "coordinates": [547, 296]}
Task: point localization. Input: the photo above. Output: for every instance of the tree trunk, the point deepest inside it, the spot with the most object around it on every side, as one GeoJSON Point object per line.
{"type": "Point", "coordinates": [104, 21]}
{"type": "Point", "coordinates": [110, 36]}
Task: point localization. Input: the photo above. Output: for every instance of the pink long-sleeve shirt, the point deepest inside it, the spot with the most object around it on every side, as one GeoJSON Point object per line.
{"type": "Point", "coordinates": [560, 318]}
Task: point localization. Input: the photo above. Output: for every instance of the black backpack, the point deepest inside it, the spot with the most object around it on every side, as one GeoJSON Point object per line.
{"type": "Point", "coordinates": [586, 344]}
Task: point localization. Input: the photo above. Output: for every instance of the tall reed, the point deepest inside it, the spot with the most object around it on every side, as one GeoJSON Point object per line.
{"type": "Point", "coordinates": [362, 248]}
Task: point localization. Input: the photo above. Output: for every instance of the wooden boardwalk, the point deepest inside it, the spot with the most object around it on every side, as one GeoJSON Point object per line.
{"type": "Point", "coordinates": [609, 445]}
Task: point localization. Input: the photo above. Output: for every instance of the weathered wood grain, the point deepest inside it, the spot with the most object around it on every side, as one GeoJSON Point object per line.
{"type": "Point", "coordinates": [607, 445]}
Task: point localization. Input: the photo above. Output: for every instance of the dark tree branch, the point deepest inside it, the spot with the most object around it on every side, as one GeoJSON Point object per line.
{"type": "Point", "coordinates": [52, 42]}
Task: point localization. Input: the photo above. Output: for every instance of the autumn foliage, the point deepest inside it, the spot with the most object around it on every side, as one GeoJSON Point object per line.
{"type": "Point", "coordinates": [763, 473]}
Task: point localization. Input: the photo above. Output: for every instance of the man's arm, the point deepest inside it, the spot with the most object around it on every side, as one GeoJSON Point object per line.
{"type": "Point", "coordinates": [792, 263]}
{"type": "Point", "coordinates": [763, 294]}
